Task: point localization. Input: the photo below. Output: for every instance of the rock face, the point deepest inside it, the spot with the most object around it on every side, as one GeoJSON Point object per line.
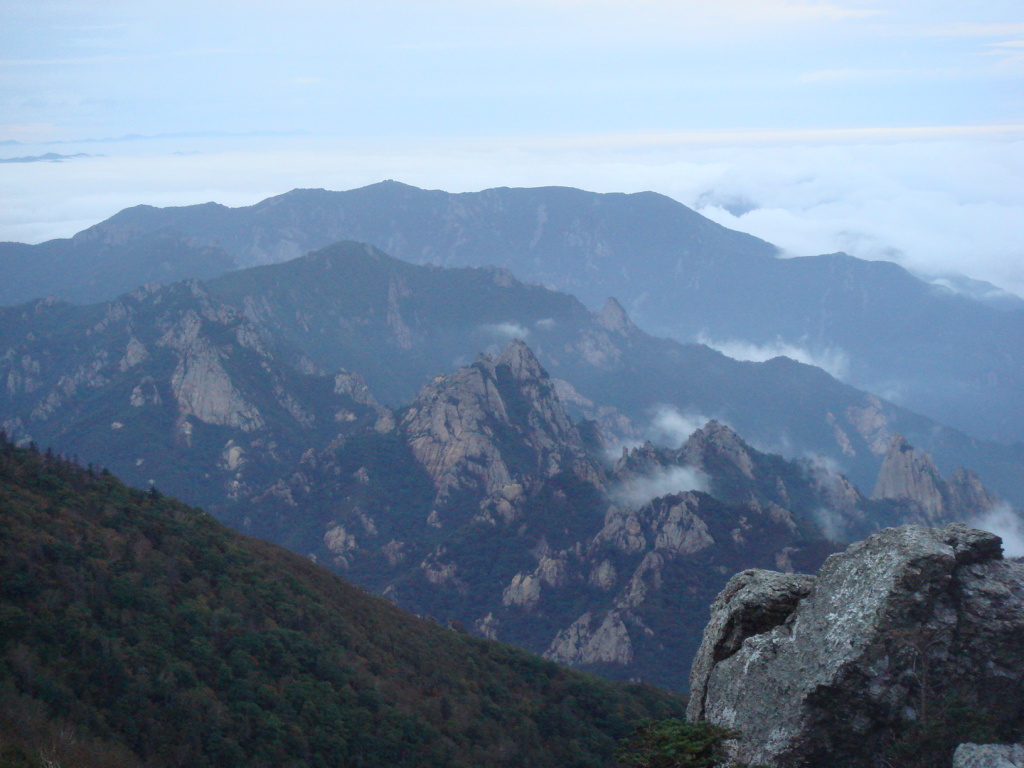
{"type": "Point", "coordinates": [989, 756]}
{"type": "Point", "coordinates": [715, 446]}
{"type": "Point", "coordinates": [649, 569]}
{"type": "Point", "coordinates": [725, 465]}
{"type": "Point", "coordinates": [911, 476]}
{"type": "Point", "coordinates": [753, 602]}
{"type": "Point", "coordinates": [462, 426]}
{"type": "Point", "coordinates": [886, 630]}
{"type": "Point", "coordinates": [267, 396]}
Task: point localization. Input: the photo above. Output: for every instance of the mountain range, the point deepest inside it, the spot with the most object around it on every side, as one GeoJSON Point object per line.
{"type": "Point", "coordinates": [270, 335]}
{"type": "Point", "coordinates": [943, 349]}
{"type": "Point", "coordinates": [338, 404]}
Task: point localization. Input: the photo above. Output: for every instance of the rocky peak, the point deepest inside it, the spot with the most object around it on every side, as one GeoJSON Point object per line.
{"type": "Point", "coordinates": [494, 423]}
{"type": "Point", "coordinates": [522, 363]}
{"type": "Point", "coordinates": [641, 460]}
{"type": "Point", "coordinates": [849, 661]}
{"type": "Point", "coordinates": [717, 446]}
{"type": "Point", "coordinates": [911, 476]}
{"type": "Point", "coordinates": [670, 524]}
{"type": "Point", "coordinates": [966, 496]}
{"type": "Point", "coordinates": [613, 317]}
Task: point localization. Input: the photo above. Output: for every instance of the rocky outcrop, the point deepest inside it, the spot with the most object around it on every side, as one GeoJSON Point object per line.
{"type": "Point", "coordinates": [643, 566]}
{"type": "Point", "coordinates": [753, 602]}
{"type": "Point", "coordinates": [719, 461]}
{"type": "Point", "coordinates": [353, 386]}
{"type": "Point", "coordinates": [669, 524]}
{"type": "Point", "coordinates": [870, 421]}
{"type": "Point", "coordinates": [717, 447]}
{"type": "Point", "coordinates": [492, 424]}
{"type": "Point", "coordinates": [989, 756]}
{"type": "Point", "coordinates": [966, 496]}
{"type": "Point", "coordinates": [911, 476]}
{"type": "Point", "coordinates": [884, 634]}
{"type": "Point", "coordinates": [593, 640]}
{"type": "Point", "coordinates": [907, 474]}
{"type": "Point", "coordinates": [613, 317]}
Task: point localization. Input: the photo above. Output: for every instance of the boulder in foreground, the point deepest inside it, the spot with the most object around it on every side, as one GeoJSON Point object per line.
{"type": "Point", "coordinates": [914, 633]}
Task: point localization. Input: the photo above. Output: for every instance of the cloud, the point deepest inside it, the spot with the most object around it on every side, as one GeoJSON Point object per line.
{"type": "Point", "coordinates": [826, 465]}
{"type": "Point", "coordinates": [506, 331]}
{"type": "Point", "coordinates": [831, 360]}
{"type": "Point", "coordinates": [831, 524]}
{"type": "Point", "coordinates": [1003, 521]}
{"type": "Point", "coordinates": [671, 427]}
{"type": "Point", "coordinates": [952, 205]}
{"type": "Point", "coordinates": [1009, 51]}
{"type": "Point", "coordinates": [802, 137]}
{"type": "Point", "coordinates": [661, 482]}
{"type": "Point", "coordinates": [973, 29]}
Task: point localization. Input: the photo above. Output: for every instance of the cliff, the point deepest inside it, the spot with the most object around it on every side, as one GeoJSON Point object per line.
{"type": "Point", "coordinates": [911, 476]}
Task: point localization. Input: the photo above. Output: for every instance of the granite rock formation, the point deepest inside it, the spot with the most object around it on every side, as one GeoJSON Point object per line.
{"type": "Point", "coordinates": [911, 476]}
{"type": "Point", "coordinates": [461, 426]}
{"type": "Point", "coordinates": [886, 630]}
{"type": "Point", "coordinates": [989, 756]}
{"type": "Point", "coordinates": [283, 399]}
{"type": "Point", "coordinates": [718, 460]}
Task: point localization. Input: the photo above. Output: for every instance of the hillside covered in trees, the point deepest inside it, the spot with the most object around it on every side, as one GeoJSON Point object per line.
{"type": "Point", "coordinates": [138, 631]}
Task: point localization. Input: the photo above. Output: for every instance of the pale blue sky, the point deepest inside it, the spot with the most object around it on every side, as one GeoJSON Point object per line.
{"type": "Point", "coordinates": [887, 128]}
{"type": "Point", "coordinates": [93, 69]}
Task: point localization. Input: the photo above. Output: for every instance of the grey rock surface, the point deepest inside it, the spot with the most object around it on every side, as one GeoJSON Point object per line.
{"type": "Point", "coordinates": [989, 756]}
{"type": "Point", "coordinates": [887, 627]}
{"type": "Point", "coordinates": [911, 476]}
{"type": "Point", "coordinates": [753, 602]}
{"type": "Point", "coordinates": [459, 425]}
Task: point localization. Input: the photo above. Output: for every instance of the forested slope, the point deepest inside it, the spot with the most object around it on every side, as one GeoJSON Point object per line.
{"type": "Point", "coordinates": [135, 630]}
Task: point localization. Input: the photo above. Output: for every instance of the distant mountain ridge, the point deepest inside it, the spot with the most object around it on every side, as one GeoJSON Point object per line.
{"type": "Point", "coordinates": [940, 353]}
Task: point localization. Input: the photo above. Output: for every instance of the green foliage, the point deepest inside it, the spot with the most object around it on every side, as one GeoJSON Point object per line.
{"type": "Point", "coordinates": [147, 629]}
{"type": "Point", "coordinates": [676, 743]}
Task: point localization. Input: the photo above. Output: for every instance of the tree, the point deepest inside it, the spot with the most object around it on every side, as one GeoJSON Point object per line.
{"type": "Point", "coordinates": [676, 744]}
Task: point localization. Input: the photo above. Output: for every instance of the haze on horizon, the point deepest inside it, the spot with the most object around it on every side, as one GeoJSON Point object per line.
{"type": "Point", "coordinates": [885, 129]}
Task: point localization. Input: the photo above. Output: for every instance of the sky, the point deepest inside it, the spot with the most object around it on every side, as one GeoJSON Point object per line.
{"type": "Point", "coordinates": [886, 129]}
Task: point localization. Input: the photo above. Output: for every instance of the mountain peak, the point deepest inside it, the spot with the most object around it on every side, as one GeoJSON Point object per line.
{"type": "Point", "coordinates": [481, 428]}
{"type": "Point", "coordinates": [716, 433]}
{"type": "Point", "coordinates": [613, 317]}
{"type": "Point", "coordinates": [524, 364]}
{"type": "Point", "coordinates": [910, 475]}
{"type": "Point", "coordinates": [718, 445]}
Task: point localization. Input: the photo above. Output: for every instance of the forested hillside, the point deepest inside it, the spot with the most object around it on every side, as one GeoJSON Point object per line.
{"type": "Point", "coordinates": [135, 630]}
